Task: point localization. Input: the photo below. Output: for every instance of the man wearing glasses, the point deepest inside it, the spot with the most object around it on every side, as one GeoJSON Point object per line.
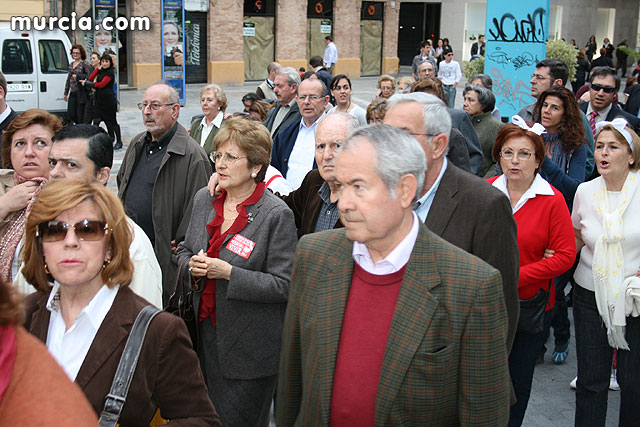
{"type": "Point", "coordinates": [294, 147]}
{"type": "Point", "coordinates": [553, 72]}
{"type": "Point", "coordinates": [160, 173]}
{"type": "Point", "coordinates": [604, 86]}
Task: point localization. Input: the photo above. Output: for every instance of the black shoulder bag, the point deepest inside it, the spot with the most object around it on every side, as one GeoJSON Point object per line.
{"type": "Point", "coordinates": [117, 396]}
{"type": "Point", "coordinates": [532, 311]}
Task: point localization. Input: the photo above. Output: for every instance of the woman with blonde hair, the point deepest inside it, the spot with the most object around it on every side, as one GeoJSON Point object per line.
{"type": "Point", "coordinates": [77, 255]}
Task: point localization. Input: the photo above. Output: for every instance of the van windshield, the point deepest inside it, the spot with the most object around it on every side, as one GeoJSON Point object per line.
{"type": "Point", "coordinates": [16, 57]}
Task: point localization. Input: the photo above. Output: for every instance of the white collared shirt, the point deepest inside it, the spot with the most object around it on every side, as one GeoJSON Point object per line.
{"type": "Point", "coordinates": [423, 205]}
{"type": "Point", "coordinates": [303, 153]}
{"type": "Point", "coordinates": [5, 114]}
{"type": "Point", "coordinates": [206, 129]}
{"type": "Point", "coordinates": [538, 186]}
{"type": "Point", "coordinates": [393, 262]}
{"type": "Point", "coordinates": [70, 347]}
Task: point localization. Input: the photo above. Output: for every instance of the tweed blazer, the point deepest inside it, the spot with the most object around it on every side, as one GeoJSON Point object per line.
{"type": "Point", "coordinates": [250, 307]}
{"type": "Point", "coordinates": [475, 216]}
{"type": "Point", "coordinates": [306, 203]}
{"type": "Point", "coordinates": [167, 376]}
{"type": "Point", "coordinates": [445, 363]}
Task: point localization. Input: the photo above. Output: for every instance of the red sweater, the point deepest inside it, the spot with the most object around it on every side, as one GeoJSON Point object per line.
{"type": "Point", "coordinates": [365, 328]}
{"type": "Point", "coordinates": [543, 222]}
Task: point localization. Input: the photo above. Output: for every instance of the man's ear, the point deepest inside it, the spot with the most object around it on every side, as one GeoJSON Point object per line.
{"type": "Point", "coordinates": [439, 143]}
{"type": "Point", "coordinates": [102, 176]}
{"type": "Point", "coordinates": [407, 190]}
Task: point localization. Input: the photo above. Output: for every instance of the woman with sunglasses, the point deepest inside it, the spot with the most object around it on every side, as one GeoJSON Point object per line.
{"type": "Point", "coordinates": [607, 279]}
{"type": "Point", "coordinates": [544, 225]}
{"type": "Point", "coordinates": [77, 255]}
{"type": "Point", "coordinates": [106, 105]}
{"type": "Point", "coordinates": [341, 91]}
{"type": "Point", "coordinates": [25, 158]}
{"type": "Point", "coordinates": [75, 94]}
{"type": "Point", "coordinates": [237, 258]}
{"type": "Point", "coordinates": [213, 103]}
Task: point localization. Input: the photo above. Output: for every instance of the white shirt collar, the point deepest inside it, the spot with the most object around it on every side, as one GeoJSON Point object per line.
{"type": "Point", "coordinates": [304, 126]}
{"type": "Point", "coordinates": [393, 262]}
{"type": "Point", "coordinates": [602, 115]}
{"type": "Point", "coordinates": [97, 308]}
{"type": "Point", "coordinates": [217, 121]}
{"type": "Point", "coordinates": [5, 114]}
{"type": "Point", "coordinates": [538, 187]}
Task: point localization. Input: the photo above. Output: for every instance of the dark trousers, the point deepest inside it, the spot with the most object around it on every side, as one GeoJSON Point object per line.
{"type": "Point", "coordinates": [522, 363]}
{"type": "Point", "coordinates": [241, 403]}
{"type": "Point", "coordinates": [113, 128]}
{"type": "Point", "coordinates": [594, 365]}
{"type": "Point", "coordinates": [75, 109]}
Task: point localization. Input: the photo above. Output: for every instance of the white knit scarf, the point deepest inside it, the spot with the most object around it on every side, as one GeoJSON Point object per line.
{"type": "Point", "coordinates": [608, 261]}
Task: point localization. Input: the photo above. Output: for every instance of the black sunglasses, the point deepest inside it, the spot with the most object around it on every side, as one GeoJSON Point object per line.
{"type": "Point", "coordinates": [606, 89]}
{"type": "Point", "coordinates": [55, 231]}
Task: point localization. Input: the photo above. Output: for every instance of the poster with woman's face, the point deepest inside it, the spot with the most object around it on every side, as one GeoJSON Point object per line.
{"type": "Point", "coordinates": [104, 39]}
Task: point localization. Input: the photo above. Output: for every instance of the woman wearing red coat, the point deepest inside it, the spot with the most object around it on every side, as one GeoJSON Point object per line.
{"type": "Point", "coordinates": [545, 240]}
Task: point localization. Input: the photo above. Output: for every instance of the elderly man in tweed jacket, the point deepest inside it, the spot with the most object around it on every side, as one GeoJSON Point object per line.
{"type": "Point", "coordinates": [388, 324]}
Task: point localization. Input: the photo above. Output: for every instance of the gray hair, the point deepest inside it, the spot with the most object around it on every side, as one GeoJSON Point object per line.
{"type": "Point", "coordinates": [435, 113]}
{"type": "Point", "coordinates": [397, 154]}
{"type": "Point", "coordinates": [293, 78]}
{"type": "Point", "coordinates": [485, 79]}
{"type": "Point", "coordinates": [348, 119]}
{"type": "Point", "coordinates": [431, 61]}
{"type": "Point", "coordinates": [486, 98]}
{"type": "Point", "coordinates": [174, 98]}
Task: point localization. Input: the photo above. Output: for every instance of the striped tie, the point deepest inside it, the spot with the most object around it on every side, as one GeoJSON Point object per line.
{"type": "Point", "coordinates": [592, 122]}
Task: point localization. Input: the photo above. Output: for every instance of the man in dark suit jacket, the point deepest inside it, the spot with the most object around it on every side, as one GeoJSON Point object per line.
{"type": "Point", "coordinates": [286, 111]}
{"type": "Point", "coordinates": [477, 49]}
{"type": "Point", "coordinates": [457, 206]}
{"type": "Point", "coordinates": [388, 324]}
{"type": "Point", "coordinates": [604, 85]}
{"type": "Point", "coordinates": [323, 74]}
{"type": "Point", "coordinates": [6, 113]}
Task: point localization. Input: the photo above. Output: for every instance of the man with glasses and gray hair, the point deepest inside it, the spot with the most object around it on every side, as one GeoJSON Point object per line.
{"type": "Point", "coordinates": [387, 323]}
{"type": "Point", "coordinates": [461, 208]}
{"type": "Point", "coordinates": [161, 171]}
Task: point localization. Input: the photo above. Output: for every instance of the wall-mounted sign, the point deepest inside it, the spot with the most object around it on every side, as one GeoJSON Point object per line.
{"type": "Point", "coordinates": [249, 29]}
{"type": "Point", "coordinates": [325, 27]}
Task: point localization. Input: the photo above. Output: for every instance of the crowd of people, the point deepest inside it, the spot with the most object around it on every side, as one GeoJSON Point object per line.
{"type": "Point", "coordinates": [395, 265]}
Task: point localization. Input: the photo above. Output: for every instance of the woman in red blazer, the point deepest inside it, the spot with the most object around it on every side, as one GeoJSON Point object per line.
{"type": "Point", "coordinates": [545, 240]}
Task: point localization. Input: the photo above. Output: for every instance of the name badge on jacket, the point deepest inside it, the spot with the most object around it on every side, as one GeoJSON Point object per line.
{"type": "Point", "coordinates": [241, 246]}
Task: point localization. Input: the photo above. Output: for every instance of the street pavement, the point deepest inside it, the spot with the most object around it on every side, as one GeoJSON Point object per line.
{"type": "Point", "coordinates": [552, 402]}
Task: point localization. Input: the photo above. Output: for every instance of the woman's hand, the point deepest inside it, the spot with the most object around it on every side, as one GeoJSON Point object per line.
{"type": "Point", "coordinates": [82, 82]}
{"type": "Point", "coordinates": [17, 198]}
{"type": "Point", "coordinates": [201, 265]}
{"type": "Point", "coordinates": [178, 58]}
{"type": "Point", "coordinates": [65, 98]}
{"type": "Point", "coordinates": [548, 253]}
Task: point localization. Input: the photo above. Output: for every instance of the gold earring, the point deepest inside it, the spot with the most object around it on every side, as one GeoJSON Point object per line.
{"type": "Point", "coordinates": [46, 269]}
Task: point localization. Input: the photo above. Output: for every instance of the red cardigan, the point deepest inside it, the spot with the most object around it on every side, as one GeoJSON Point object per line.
{"type": "Point", "coordinates": [543, 222]}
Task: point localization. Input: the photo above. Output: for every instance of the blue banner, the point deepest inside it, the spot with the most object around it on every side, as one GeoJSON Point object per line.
{"type": "Point", "coordinates": [173, 66]}
{"type": "Point", "coordinates": [517, 35]}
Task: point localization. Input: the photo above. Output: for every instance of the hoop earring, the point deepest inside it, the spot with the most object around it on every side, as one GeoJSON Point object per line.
{"type": "Point", "coordinates": [46, 269]}
{"type": "Point", "coordinates": [254, 175]}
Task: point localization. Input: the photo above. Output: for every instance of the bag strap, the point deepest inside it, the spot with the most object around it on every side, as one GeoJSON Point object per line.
{"type": "Point", "coordinates": [114, 402]}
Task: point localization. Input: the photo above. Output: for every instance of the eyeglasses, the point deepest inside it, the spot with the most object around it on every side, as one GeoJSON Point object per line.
{"type": "Point", "coordinates": [606, 89]}
{"type": "Point", "coordinates": [207, 100]}
{"type": "Point", "coordinates": [55, 231]}
{"type": "Point", "coordinates": [310, 97]}
{"type": "Point", "coordinates": [75, 52]}
{"type": "Point", "coordinates": [539, 77]}
{"type": "Point", "coordinates": [522, 155]}
{"type": "Point", "coordinates": [229, 158]}
{"type": "Point", "coordinates": [154, 107]}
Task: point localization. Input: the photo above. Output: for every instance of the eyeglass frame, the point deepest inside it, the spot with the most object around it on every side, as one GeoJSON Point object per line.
{"type": "Point", "coordinates": [66, 226]}
{"type": "Point", "coordinates": [229, 158]}
{"type": "Point", "coordinates": [153, 106]}
{"type": "Point", "coordinates": [311, 98]}
{"type": "Point", "coordinates": [520, 153]}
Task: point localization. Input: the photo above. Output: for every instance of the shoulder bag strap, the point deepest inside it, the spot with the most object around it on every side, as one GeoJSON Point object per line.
{"type": "Point", "coordinates": [117, 396]}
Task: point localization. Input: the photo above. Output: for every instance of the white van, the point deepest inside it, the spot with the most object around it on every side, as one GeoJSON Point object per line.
{"type": "Point", "coordinates": [35, 64]}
